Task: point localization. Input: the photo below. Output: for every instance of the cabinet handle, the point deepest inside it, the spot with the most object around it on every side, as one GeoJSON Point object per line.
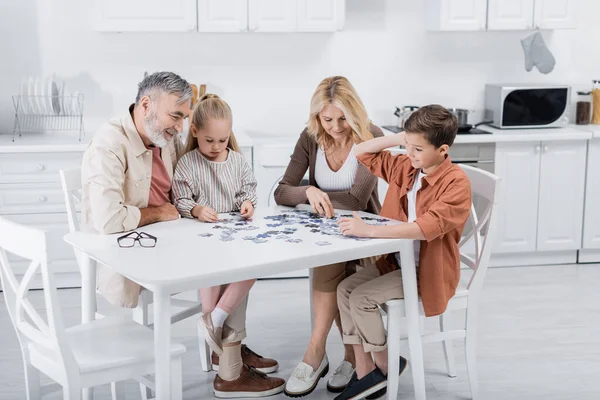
{"type": "Point", "coordinates": [545, 149]}
{"type": "Point", "coordinates": [537, 149]}
{"type": "Point", "coordinates": [41, 167]}
{"type": "Point", "coordinates": [42, 199]}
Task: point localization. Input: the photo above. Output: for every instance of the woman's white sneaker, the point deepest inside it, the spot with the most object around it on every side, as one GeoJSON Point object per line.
{"type": "Point", "coordinates": [304, 379]}
{"type": "Point", "coordinates": [340, 378]}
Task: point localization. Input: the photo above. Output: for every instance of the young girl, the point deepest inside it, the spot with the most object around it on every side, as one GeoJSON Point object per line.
{"type": "Point", "coordinates": [213, 177]}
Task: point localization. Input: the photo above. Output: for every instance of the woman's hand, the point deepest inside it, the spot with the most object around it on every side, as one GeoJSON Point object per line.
{"type": "Point", "coordinates": [247, 209]}
{"type": "Point", "coordinates": [205, 214]}
{"type": "Point", "coordinates": [319, 201]}
{"type": "Point", "coordinates": [355, 226]}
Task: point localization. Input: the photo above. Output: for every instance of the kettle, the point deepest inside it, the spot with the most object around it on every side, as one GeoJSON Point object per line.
{"type": "Point", "coordinates": [403, 114]}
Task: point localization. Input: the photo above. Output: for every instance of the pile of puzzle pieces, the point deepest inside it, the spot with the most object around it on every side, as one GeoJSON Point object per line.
{"type": "Point", "coordinates": [281, 227]}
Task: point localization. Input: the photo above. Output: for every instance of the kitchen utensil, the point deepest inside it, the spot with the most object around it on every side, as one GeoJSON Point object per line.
{"type": "Point", "coordinates": [194, 93]}
{"type": "Point", "coordinates": [403, 114]}
{"type": "Point", "coordinates": [461, 114]}
{"type": "Point", "coordinates": [468, 127]}
{"type": "Point", "coordinates": [24, 99]}
{"type": "Point", "coordinates": [202, 91]}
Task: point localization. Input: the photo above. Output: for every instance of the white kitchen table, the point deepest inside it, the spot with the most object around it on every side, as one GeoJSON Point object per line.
{"type": "Point", "coordinates": [182, 260]}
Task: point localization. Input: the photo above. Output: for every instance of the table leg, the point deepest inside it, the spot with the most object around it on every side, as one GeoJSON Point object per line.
{"type": "Point", "coordinates": [413, 321]}
{"type": "Point", "coordinates": [88, 301]}
{"type": "Point", "coordinates": [162, 343]}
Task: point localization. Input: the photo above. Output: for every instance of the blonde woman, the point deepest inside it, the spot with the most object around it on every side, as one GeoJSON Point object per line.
{"type": "Point", "coordinates": [337, 122]}
{"type": "Point", "coordinates": [211, 156]}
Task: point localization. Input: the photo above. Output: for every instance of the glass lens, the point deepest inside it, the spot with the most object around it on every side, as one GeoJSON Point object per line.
{"type": "Point", "coordinates": [147, 242]}
{"type": "Point", "coordinates": [127, 242]}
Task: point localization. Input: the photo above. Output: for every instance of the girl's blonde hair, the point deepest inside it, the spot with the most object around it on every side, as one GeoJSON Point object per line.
{"type": "Point", "coordinates": [209, 106]}
{"type": "Point", "coordinates": [338, 91]}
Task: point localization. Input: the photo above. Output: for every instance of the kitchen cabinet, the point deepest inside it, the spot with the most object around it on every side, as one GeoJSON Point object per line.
{"type": "Point", "coordinates": [456, 15]}
{"type": "Point", "coordinates": [541, 196]}
{"type": "Point", "coordinates": [591, 223]}
{"type": "Point", "coordinates": [221, 15]}
{"type": "Point", "coordinates": [145, 16]}
{"type": "Point", "coordinates": [475, 15]}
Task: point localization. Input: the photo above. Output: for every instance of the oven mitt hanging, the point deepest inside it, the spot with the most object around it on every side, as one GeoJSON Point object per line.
{"type": "Point", "coordinates": [537, 53]}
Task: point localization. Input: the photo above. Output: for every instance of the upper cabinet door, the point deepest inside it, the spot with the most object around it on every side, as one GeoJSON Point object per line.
{"type": "Point", "coordinates": [555, 14]}
{"type": "Point", "coordinates": [456, 15]}
{"type": "Point", "coordinates": [222, 15]}
{"type": "Point", "coordinates": [145, 15]}
{"type": "Point", "coordinates": [321, 15]}
{"type": "Point", "coordinates": [273, 15]}
{"type": "Point", "coordinates": [510, 14]}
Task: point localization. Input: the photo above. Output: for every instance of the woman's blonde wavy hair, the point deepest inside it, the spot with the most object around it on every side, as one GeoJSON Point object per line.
{"type": "Point", "coordinates": [339, 92]}
{"type": "Point", "coordinates": [209, 106]}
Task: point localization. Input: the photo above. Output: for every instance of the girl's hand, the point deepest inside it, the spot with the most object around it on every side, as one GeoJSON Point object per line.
{"type": "Point", "coordinates": [319, 201]}
{"type": "Point", "coordinates": [205, 214]}
{"type": "Point", "coordinates": [247, 209]}
{"type": "Point", "coordinates": [355, 226]}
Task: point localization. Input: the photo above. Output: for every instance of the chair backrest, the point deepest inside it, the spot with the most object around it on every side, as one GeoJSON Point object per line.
{"type": "Point", "coordinates": [485, 186]}
{"type": "Point", "coordinates": [271, 198]}
{"type": "Point", "coordinates": [30, 243]}
{"type": "Point", "coordinates": [71, 184]}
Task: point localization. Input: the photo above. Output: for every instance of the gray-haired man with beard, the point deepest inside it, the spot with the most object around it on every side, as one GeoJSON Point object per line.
{"type": "Point", "coordinates": [128, 167]}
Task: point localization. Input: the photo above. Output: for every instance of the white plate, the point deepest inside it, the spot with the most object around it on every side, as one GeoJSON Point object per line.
{"type": "Point", "coordinates": [66, 100]}
{"type": "Point", "coordinates": [54, 99]}
{"type": "Point", "coordinates": [75, 103]}
{"type": "Point", "coordinates": [48, 96]}
{"type": "Point", "coordinates": [24, 97]}
{"type": "Point", "coordinates": [39, 99]}
{"type": "Point", "coordinates": [31, 96]}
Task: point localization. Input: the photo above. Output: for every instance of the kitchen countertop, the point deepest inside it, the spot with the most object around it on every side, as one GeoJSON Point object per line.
{"type": "Point", "coordinates": [69, 142]}
{"type": "Point", "coordinates": [572, 132]}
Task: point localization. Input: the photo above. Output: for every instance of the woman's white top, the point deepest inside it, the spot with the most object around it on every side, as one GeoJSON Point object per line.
{"type": "Point", "coordinates": [342, 179]}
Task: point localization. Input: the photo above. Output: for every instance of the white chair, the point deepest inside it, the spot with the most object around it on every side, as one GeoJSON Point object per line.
{"type": "Point", "coordinates": [485, 186]}
{"type": "Point", "coordinates": [71, 184]}
{"type": "Point", "coordinates": [103, 351]}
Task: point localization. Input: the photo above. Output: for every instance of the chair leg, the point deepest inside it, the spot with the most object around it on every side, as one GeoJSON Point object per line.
{"type": "Point", "coordinates": [471, 348]}
{"type": "Point", "coordinates": [205, 351]}
{"type": "Point", "coordinates": [71, 392]}
{"type": "Point", "coordinates": [32, 382]}
{"type": "Point", "coordinates": [448, 346]}
{"type": "Point", "coordinates": [140, 313]}
{"type": "Point", "coordinates": [117, 390]}
{"type": "Point", "coordinates": [393, 342]}
{"type": "Point", "coordinates": [176, 379]}
{"type": "Point", "coordinates": [145, 392]}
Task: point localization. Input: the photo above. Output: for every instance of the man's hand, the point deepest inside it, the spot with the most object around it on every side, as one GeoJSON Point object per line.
{"type": "Point", "coordinates": [168, 212]}
{"type": "Point", "coordinates": [205, 214]}
{"type": "Point", "coordinates": [319, 201]}
{"type": "Point", "coordinates": [355, 226]}
{"type": "Point", "coordinates": [247, 209]}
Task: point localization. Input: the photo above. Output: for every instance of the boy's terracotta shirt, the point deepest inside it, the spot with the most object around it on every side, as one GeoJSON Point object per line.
{"type": "Point", "coordinates": [443, 206]}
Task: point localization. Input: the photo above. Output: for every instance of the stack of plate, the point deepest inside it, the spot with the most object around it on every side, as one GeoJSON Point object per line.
{"type": "Point", "coordinates": [41, 96]}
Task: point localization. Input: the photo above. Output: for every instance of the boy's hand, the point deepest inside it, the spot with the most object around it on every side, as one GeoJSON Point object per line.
{"type": "Point", "coordinates": [247, 209]}
{"type": "Point", "coordinates": [205, 214]}
{"type": "Point", "coordinates": [319, 201]}
{"type": "Point", "coordinates": [355, 226]}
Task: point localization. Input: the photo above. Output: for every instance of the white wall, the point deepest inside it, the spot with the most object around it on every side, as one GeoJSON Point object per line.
{"type": "Point", "coordinates": [268, 78]}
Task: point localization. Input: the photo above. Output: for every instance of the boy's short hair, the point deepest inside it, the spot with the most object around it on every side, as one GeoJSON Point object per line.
{"type": "Point", "coordinates": [435, 123]}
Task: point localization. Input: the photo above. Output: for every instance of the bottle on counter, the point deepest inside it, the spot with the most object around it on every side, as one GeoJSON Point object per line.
{"type": "Point", "coordinates": [584, 108]}
{"type": "Point", "coordinates": [596, 102]}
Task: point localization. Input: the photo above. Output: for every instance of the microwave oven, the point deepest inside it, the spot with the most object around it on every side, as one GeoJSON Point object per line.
{"type": "Point", "coordinates": [527, 106]}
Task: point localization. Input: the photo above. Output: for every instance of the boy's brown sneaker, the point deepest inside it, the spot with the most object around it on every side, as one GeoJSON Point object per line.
{"type": "Point", "coordinates": [262, 364]}
{"type": "Point", "coordinates": [250, 384]}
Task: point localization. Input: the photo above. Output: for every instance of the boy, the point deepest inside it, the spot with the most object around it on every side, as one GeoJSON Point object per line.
{"type": "Point", "coordinates": [434, 197]}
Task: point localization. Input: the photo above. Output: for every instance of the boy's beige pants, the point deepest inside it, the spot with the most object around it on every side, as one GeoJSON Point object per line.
{"type": "Point", "coordinates": [358, 298]}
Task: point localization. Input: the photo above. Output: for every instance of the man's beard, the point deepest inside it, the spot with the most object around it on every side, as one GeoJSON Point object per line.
{"type": "Point", "coordinates": [154, 131]}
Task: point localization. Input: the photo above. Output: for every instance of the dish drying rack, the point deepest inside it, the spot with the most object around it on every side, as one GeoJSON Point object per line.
{"type": "Point", "coordinates": [48, 114]}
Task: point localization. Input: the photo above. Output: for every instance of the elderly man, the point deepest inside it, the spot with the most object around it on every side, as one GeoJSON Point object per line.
{"type": "Point", "coordinates": [126, 174]}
